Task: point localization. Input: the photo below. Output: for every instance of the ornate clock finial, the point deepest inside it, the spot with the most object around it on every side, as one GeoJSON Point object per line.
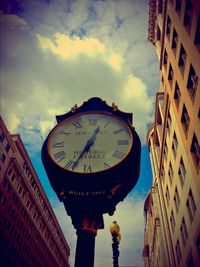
{"type": "Point", "coordinates": [114, 107]}
{"type": "Point", "coordinates": [74, 108]}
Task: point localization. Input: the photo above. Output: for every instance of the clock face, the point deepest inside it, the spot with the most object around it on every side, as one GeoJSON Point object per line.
{"type": "Point", "coordinates": [90, 142]}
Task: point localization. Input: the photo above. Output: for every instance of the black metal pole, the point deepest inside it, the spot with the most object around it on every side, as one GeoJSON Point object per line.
{"type": "Point", "coordinates": [115, 246]}
{"type": "Point", "coordinates": [85, 248]}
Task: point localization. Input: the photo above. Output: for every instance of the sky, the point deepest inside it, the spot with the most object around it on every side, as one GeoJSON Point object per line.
{"type": "Point", "coordinates": [55, 54]}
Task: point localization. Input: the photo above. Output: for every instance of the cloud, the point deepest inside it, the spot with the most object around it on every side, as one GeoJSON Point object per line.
{"type": "Point", "coordinates": [44, 77]}
{"type": "Point", "coordinates": [135, 98]}
{"type": "Point", "coordinates": [129, 216]}
{"type": "Point", "coordinates": [73, 18]}
{"type": "Point", "coordinates": [68, 48]}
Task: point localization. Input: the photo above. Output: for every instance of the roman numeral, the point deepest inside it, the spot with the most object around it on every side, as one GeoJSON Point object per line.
{"type": "Point", "coordinates": [59, 156]}
{"type": "Point", "coordinates": [118, 154]}
{"type": "Point", "coordinates": [69, 164]}
{"type": "Point", "coordinates": [123, 142]}
{"type": "Point", "coordinates": [118, 131]}
{"type": "Point", "coordinates": [58, 144]}
{"type": "Point", "coordinates": [93, 122]}
{"type": "Point", "coordinates": [77, 125]}
{"type": "Point", "coordinates": [106, 165]}
{"type": "Point", "coordinates": [65, 133]}
{"type": "Point", "coordinates": [87, 168]}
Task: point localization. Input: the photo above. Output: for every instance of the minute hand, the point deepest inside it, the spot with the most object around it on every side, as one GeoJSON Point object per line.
{"type": "Point", "coordinates": [86, 148]}
{"type": "Point", "coordinates": [90, 142]}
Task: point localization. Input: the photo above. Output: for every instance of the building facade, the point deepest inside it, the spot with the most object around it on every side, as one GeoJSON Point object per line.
{"type": "Point", "coordinates": [29, 231]}
{"type": "Point", "coordinates": [172, 209]}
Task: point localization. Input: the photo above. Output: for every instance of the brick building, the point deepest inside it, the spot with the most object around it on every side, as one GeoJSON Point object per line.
{"type": "Point", "coordinates": [29, 231]}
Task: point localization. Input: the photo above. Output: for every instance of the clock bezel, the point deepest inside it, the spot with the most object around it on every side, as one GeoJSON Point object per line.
{"type": "Point", "coordinates": [126, 124]}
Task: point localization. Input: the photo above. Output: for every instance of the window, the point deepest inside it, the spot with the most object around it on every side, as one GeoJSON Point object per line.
{"type": "Point", "coordinates": [171, 73]}
{"type": "Point", "coordinates": [192, 82]}
{"type": "Point", "coordinates": [6, 185]}
{"type": "Point", "coordinates": [158, 34]}
{"type": "Point", "coordinates": [20, 190]}
{"type": "Point", "coordinates": [189, 210]}
{"type": "Point", "coordinates": [32, 182]}
{"type": "Point", "coordinates": [15, 199]}
{"type": "Point", "coordinates": [13, 177]}
{"type": "Point", "coordinates": [177, 94]}
{"type": "Point", "coordinates": [156, 140]}
{"type": "Point", "coordinates": [174, 40]}
{"type": "Point", "coordinates": [172, 221]}
{"type": "Point", "coordinates": [178, 251]}
{"type": "Point", "coordinates": [28, 203]}
{"type": "Point", "coordinates": [176, 199]}
{"type": "Point", "coordinates": [178, 5]}
{"type": "Point", "coordinates": [165, 151]}
{"type": "Point", "coordinates": [168, 127]}
{"type": "Point", "coordinates": [170, 172]}
{"type": "Point", "coordinates": [10, 171]}
{"type": "Point", "coordinates": [181, 172]}
{"type": "Point", "coordinates": [190, 262]}
{"type": "Point", "coordinates": [198, 244]}
{"type": "Point", "coordinates": [185, 119]}
{"type": "Point", "coordinates": [165, 58]}
{"type": "Point", "coordinates": [169, 119]}
{"type": "Point", "coordinates": [195, 150]}
{"type": "Point", "coordinates": [2, 136]}
{"type": "Point", "coordinates": [169, 122]}
{"type": "Point", "coordinates": [168, 25]}
{"type": "Point", "coordinates": [192, 201]}
{"type": "Point", "coordinates": [43, 205]}
{"type": "Point", "coordinates": [188, 15]}
{"type": "Point", "coordinates": [182, 59]}
{"type": "Point", "coordinates": [175, 140]}
{"type": "Point", "coordinates": [7, 148]}
{"type": "Point", "coordinates": [3, 158]}
{"type": "Point", "coordinates": [167, 195]}
{"type": "Point", "coordinates": [174, 145]}
{"type": "Point", "coordinates": [162, 174]}
{"type": "Point", "coordinates": [184, 233]}
{"type": "Point", "coordinates": [160, 6]}
{"type": "Point", "coordinates": [2, 198]}
{"type": "Point", "coordinates": [197, 34]}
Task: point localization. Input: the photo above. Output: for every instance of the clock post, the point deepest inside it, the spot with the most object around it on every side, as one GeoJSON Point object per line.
{"type": "Point", "coordinates": [92, 159]}
{"type": "Point", "coordinates": [85, 247]}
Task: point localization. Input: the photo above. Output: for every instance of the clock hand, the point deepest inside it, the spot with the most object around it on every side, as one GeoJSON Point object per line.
{"type": "Point", "coordinates": [77, 160]}
{"type": "Point", "coordinates": [90, 142]}
{"type": "Point", "coordinates": [86, 148]}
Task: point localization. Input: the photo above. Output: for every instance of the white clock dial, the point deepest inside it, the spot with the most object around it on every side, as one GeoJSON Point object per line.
{"type": "Point", "coordinates": [90, 142]}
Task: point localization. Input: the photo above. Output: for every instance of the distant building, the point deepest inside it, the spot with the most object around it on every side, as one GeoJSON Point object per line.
{"type": "Point", "coordinates": [29, 231]}
{"type": "Point", "coordinates": [172, 207]}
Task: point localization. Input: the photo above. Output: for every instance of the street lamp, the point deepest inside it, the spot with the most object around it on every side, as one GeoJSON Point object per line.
{"type": "Point", "coordinates": [116, 237]}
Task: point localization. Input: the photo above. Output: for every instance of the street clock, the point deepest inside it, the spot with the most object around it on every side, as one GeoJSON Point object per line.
{"type": "Point", "coordinates": [92, 157]}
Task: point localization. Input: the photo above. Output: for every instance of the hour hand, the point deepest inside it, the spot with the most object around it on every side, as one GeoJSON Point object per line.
{"type": "Point", "coordinates": [76, 162]}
